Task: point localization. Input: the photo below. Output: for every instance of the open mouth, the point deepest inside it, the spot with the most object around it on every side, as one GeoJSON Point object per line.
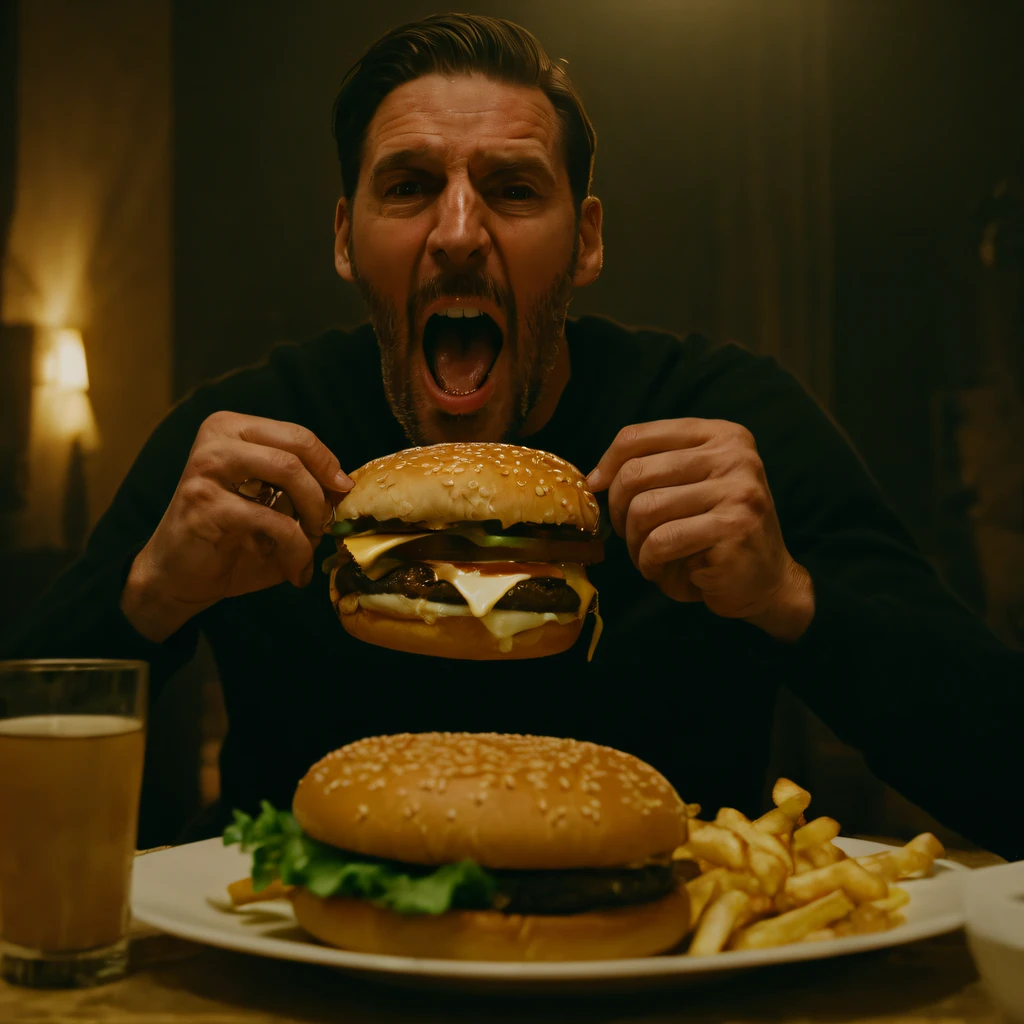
{"type": "Point", "coordinates": [461, 344]}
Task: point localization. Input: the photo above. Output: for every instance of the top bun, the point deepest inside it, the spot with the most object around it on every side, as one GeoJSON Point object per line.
{"type": "Point", "coordinates": [507, 802]}
{"type": "Point", "coordinates": [471, 482]}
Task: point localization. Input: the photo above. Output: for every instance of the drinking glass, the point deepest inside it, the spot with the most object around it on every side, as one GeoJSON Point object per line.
{"type": "Point", "coordinates": [72, 737]}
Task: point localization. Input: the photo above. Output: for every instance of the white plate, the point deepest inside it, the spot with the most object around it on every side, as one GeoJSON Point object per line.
{"type": "Point", "coordinates": [182, 891]}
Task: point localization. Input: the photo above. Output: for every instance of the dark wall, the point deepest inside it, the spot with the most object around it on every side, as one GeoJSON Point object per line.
{"type": "Point", "coordinates": [927, 115]}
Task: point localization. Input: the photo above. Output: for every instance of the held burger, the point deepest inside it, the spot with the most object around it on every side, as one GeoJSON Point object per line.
{"type": "Point", "coordinates": [467, 550]}
{"type": "Point", "coordinates": [476, 847]}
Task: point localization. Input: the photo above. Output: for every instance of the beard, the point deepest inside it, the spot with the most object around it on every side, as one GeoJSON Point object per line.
{"type": "Point", "coordinates": [533, 338]}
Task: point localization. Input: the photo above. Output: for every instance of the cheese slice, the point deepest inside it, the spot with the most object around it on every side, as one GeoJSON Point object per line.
{"type": "Point", "coordinates": [367, 547]}
{"type": "Point", "coordinates": [481, 591]}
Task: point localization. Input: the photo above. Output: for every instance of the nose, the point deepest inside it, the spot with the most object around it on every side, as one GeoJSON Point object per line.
{"type": "Point", "coordinates": [459, 239]}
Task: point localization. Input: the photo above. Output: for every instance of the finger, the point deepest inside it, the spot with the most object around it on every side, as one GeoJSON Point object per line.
{"type": "Point", "coordinates": [289, 437]}
{"type": "Point", "coordinates": [283, 543]}
{"type": "Point", "coordinates": [652, 472]}
{"type": "Point", "coordinates": [677, 539]}
{"type": "Point", "coordinates": [641, 439]}
{"type": "Point", "coordinates": [231, 462]}
{"type": "Point", "coordinates": [640, 513]}
{"type": "Point", "coordinates": [267, 536]}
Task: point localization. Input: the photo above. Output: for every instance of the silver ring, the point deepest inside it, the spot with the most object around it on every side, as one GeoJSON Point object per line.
{"type": "Point", "coordinates": [267, 495]}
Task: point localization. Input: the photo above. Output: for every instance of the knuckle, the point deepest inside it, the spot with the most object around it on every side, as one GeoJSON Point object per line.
{"type": "Point", "coordinates": [305, 440]}
{"type": "Point", "coordinates": [217, 421]}
{"type": "Point", "coordinates": [754, 499]}
{"type": "Point", "coordinates": [643, 509]}
{"type": "Point", "coordinates": [287, 464]}
{"type": "Point", "coordinates": [632, 471]}
{"type": "Point", "coordinates": [628, 435]}
{"type": "Point", "coordinates": [193, 492]}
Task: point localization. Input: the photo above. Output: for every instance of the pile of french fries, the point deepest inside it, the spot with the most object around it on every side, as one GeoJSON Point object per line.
{"type": "Point", "coordinates": [780, 879]}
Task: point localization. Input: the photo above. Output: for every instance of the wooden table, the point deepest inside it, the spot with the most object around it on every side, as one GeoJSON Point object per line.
{"type": "Point", "coordinates": [175, 982]}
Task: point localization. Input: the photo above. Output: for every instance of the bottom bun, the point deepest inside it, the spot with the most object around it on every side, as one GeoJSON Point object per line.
{"type": "Point", "coordinates": [619, 933]}
{"type": "Point", "coordinates": [458, 636]}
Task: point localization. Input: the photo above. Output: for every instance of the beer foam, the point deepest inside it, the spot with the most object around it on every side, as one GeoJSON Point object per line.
{"type": "Point", "coordinates": [68, 726]}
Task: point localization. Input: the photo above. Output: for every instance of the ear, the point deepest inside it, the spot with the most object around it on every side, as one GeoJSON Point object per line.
{"type": "Point", "coordinates": [342, 237]}
{"type": "Point", "coordinates": [590, 254]}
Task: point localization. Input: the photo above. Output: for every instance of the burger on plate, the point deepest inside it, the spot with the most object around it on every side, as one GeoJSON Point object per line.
{"type": "Point", "coordinates": [478, 847]}
{"type": "Point", "coordinates": [467, 550]}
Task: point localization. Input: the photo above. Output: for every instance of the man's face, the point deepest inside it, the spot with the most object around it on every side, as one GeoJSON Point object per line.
{"type": "Point", "coordinates": [463, 207]}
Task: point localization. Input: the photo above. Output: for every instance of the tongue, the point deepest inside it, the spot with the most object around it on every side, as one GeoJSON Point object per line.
{"type": "Point", "coordinates": [462, 363]}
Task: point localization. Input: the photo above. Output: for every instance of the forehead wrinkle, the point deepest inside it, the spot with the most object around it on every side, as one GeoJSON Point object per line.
{"type": "Point", "coordinates": [509, 122]}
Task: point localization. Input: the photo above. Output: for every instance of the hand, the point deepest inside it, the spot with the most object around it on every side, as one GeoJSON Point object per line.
{"type": "Point", "coordinates": [212, 542]}
{"type": "Point", "coordinates": [691, 499]}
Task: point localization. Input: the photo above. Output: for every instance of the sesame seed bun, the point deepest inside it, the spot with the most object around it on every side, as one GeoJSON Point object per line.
{"type": "Point", "coordinates": [645, 929]}
{"type": "Point", "coordinates": [471, 482]}
{"type": "Point", "coordinates": [507, 802]}
{"type": "Point", "coordinates": [457, 636]}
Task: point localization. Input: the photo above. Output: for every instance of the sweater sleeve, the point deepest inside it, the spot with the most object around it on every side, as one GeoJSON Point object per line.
{"type": "Point", "coordinates": [80, 616]}
{"type": "Point", "coordinates": [893, 662]}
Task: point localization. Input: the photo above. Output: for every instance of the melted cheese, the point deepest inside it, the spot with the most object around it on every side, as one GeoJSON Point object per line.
{"type": "Point", "coordinates": [481, 591]}
{"type": "Point", "coordinates": [502, 624]}
{"type": "Point", "coordinates": [367, 547]}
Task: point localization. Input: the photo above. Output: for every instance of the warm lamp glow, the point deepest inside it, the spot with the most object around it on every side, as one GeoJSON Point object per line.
{"type": "Point", "coordinates": [64, 364]}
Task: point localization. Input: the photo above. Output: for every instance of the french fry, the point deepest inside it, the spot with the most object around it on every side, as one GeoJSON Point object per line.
{"type": "Point", "coordinates": [794, 924]}
{"type": "Point", "coordinates": [860, 885]}
{"type": "Point", "coordinates": [769, 870]}
{"type": "Point", "coordinates": [863, 920]}
{"type": "Point", "coordinates": [720, 846]}
{"type": "Point", "coordinates": [815, 833]}
{"type": "Point", "coordinates": [702, 890]}
{"type": "Point", "coordinates": [896, 899]}
{"type": "Point", "coordinates": [786, 789]}
{"type": "Point", "coordinates": [899, 862]}
{"type": "Point", "coordinates": [731, 910]}
{"type": "Point", "coordinates": [802, 863]}
{"type": "Point", "coordinates": [781, 820]}
{"type": "Point", "coordinates": [779, 879]}
{"type": "Point", "coordinates": [825, 854]}
{"type": "Point", "coordinates": [242, 892]}
{"type": "Point", "coordinates": [927, 844]}
{"type": "Point", "coordinates": [741, 825]}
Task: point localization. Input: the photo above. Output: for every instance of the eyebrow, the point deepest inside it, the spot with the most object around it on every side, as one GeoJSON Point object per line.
{"type": "Point", "coordinates": [397, 161]}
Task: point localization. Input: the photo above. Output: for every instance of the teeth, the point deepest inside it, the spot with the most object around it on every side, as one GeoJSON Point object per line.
{"type": "Point", "coordinates": [456, 312]}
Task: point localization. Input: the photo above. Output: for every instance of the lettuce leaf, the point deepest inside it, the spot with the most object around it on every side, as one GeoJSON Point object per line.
{"type": "Point", "coordinates": [280, 849]}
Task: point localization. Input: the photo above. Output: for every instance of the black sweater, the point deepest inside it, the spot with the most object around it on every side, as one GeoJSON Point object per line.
{"type": "Point", "coordinates": [892, 661]}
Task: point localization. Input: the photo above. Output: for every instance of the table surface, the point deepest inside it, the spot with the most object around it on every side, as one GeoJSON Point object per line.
{"type": "Point", "coordinates": [176, 982]}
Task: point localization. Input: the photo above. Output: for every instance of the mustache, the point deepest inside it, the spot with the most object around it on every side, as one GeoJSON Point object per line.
{"type": "Point", "coordinates": [470, 284]}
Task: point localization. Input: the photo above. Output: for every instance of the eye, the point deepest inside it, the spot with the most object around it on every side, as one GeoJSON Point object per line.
{"type": "Point", "coordinates": [405, 189]}
{"type": "Point", "coordinates": [517, 193]}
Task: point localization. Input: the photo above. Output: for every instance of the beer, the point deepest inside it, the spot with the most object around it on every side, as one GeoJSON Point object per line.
{"type": "Point", "coordinates": [69, 796]}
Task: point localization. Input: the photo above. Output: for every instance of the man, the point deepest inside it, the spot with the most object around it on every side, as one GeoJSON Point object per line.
{"type": "Point", "coordinates": [751, 549]}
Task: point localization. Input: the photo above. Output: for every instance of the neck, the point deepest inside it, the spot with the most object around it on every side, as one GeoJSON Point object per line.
{"type": "Point", "coordinates": [544, 409]}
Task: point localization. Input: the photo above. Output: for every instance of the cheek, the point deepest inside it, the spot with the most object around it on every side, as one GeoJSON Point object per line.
{"type": "Point", "coordinates": [537, 253]}
{"type": "Point", "coordinates": [384, 250]}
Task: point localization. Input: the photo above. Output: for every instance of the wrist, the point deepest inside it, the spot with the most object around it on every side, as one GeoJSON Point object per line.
{"type": "Point", "coordinates": [791, 609]}
{"type": "Point", "coordinates": [146, 605]}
